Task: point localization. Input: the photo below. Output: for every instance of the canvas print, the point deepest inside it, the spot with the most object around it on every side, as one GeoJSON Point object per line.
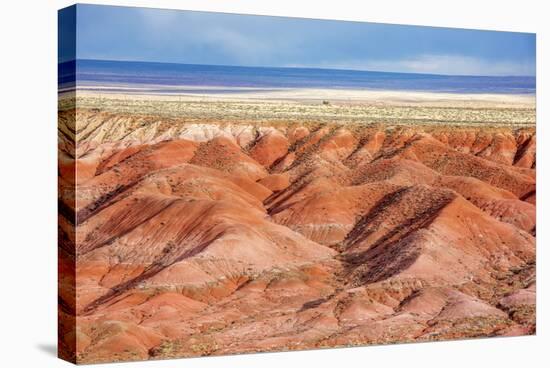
{"type": "Point", "coordinates": [236, 184]}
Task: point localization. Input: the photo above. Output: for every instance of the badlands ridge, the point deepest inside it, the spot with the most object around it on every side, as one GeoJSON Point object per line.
{"type": "Point", "coordinates": [195, 239]}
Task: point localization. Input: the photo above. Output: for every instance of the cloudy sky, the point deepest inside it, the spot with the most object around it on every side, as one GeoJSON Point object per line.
{"type": "Point", "coordinates": [141, 34]}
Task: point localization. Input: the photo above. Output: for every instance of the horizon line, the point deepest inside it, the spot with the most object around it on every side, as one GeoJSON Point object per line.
{"type": "Point", "coordinates": [303, 68]}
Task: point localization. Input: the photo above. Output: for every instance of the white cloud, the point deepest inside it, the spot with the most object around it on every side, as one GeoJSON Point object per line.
{"type": "Point", "coordinates": [438, 64]}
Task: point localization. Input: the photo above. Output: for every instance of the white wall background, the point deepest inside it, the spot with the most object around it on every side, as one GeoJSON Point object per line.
{"type": "Point", "coordinates": [28, 176]}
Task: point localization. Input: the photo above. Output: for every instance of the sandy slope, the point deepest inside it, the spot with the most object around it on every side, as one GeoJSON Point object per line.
{"type": "Point", "coordinates": [199, 239]}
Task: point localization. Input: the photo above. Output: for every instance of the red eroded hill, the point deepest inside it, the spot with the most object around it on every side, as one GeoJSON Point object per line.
{"type": "Point", "coordinates": [214, 239]}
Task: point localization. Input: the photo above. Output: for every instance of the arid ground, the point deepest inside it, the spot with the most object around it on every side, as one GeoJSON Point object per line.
{"type": "Point", "coordinates": [218, 226]}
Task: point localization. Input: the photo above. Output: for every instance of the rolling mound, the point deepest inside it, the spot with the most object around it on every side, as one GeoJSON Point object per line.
{"type": "Point", "coordinates": [206, 239]}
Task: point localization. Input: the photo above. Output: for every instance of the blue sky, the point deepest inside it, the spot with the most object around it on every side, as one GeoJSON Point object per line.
{"type": "Point", "coordinates": [143, 34]}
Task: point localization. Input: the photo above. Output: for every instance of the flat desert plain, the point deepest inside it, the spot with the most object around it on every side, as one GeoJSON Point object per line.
{"type": "Point", "coordinates": [210, 225]}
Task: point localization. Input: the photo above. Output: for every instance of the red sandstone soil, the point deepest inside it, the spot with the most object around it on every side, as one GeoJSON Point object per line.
{"type": "Point", "coordinates": [208, 242]}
